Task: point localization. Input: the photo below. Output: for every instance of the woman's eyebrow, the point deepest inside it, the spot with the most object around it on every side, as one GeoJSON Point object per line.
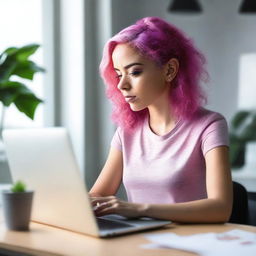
{"type": "Point", "coordinates": [130, 65]}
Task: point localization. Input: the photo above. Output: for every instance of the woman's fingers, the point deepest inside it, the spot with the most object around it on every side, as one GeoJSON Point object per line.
{"type": "Point", "coordinates": [103, 202]}
{"type": "Point", "coordinates": [109, 205]}
{"type": "Point", "coordinates": [105, 208]}
{"type": "Point", "coordinates": [102, 199]}
{"type": "Point", "coordinates": [112, 205]}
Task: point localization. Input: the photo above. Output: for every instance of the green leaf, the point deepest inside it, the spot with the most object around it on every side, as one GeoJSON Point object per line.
{"type": "Point", "coordinates": [249, 131]}
{"type": "Point", "coordinates": [9, 91]}
{"type": "Point", "coordinates": [10, 51]}
{"type": "Point", "coordinates": [23, 98]}
{"type": "Point", "coordinates": [6, 69]}
{"type": "Point", "coordinates": [236, 151]}
{"type": "Point", "coordinates": [238, 119]}
{"type": "Point", "coordinates": [27, 69]}
{"type": "Point", "coordinates": [6, 62]}
{"type": "Point", "coordinates": [7, 97]}
{"type": "Point", "coordinates": [3, 57]}
{"type": "Point", "coordinates": [27, 103]}
{"type": "Point", "coordinates": [14, 61]}
{"type": "Point", "coordinates": [22, 54]}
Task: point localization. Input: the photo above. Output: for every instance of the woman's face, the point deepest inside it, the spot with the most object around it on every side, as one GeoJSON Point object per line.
{"type": "Point", "coordinates": [141, 81]}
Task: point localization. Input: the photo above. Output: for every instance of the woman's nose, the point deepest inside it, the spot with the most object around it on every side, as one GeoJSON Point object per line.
{"type": "Point", "coordinates": [123, 84]}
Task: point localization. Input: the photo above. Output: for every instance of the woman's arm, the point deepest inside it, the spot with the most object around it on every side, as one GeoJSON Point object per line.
{"type": "Point", "coordinates": [216, 208]}
{"type": "Point", "coordinates": [110, 177]}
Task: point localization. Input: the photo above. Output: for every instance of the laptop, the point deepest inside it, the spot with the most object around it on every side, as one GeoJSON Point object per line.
{"type": "Point", "coordinates": [43, 158]}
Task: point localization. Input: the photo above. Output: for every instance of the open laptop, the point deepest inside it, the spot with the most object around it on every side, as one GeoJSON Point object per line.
{"type": "Point", "coordinates": [44, 160]}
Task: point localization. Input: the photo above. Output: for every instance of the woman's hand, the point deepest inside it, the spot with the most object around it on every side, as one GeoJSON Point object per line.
{"type": "Point", "coordinates": [113, 205]}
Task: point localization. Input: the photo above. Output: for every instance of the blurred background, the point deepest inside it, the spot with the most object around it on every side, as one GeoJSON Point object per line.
{"type": "Point", "coordinates": [72, 34]}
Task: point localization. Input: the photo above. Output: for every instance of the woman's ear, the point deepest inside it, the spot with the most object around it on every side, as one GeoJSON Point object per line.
{"type": "Point", "coordinates": [171, 69]}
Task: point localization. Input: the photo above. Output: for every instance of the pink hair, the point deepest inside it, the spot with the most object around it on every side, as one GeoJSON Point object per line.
{"type": "Point", "coordinates": [159, 41]}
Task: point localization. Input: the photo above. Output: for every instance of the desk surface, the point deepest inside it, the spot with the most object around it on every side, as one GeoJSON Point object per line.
{"type": "Point", "coordinates": [46, 240]}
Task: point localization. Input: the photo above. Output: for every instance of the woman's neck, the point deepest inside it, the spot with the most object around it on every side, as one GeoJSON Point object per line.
{"type": "Point", "coordinates": [161, 118]}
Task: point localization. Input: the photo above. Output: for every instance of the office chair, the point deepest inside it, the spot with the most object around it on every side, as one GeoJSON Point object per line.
{"type": "Point", "coordinates": [240, 211]}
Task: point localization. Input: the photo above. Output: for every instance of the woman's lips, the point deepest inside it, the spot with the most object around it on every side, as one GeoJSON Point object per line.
{"type": "Point", "coordinates": [130, 99]}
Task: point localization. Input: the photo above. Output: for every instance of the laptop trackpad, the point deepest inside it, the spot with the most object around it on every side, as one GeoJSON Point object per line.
{"type": "Point", "coordinates": [123, 222]}
{"type": "Point", "coordinates": [105, 223]}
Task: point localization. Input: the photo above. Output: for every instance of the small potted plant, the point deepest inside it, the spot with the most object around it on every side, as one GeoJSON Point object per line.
{"type": "Point", "coordinates": [17, 206]}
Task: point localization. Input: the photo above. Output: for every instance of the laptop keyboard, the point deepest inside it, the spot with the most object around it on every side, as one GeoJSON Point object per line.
{"type": "Point", "coordinates": [109, 224]}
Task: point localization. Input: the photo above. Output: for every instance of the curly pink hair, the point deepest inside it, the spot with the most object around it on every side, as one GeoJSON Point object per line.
{"type": "Point", "coordinates": [159, 41]}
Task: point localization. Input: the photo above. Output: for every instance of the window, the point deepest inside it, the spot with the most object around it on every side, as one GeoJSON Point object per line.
{"type": "Point", "coordinates": [247, 81]}
{"type": "Point", "coordinates": [21, 24]}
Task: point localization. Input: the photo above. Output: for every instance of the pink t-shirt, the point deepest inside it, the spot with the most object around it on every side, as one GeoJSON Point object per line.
{"type": "Point", "coordinates": [170, 168]}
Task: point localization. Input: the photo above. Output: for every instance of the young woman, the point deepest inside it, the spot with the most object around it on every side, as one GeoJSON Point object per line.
{"type": "Point", "coordinates": [170, 152]}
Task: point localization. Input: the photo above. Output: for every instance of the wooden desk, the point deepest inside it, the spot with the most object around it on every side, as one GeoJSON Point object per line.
{"type": "Point", "coordinates": [45, 240]}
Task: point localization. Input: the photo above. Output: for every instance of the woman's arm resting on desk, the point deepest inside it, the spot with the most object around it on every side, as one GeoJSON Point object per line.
{"type": "Point", "coordinates": [216, 208]}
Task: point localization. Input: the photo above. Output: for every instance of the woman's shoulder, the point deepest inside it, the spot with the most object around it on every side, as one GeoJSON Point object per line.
{"type": "Point", "coordinates": [127, 133]}
{"type": "Point", "coordinates": [206, 115]}
{"type": "Point", "coordinates": [204, 118]}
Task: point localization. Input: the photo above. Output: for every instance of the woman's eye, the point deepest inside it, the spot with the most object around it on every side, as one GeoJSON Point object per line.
{"type": "Point", "coordinates": [136, 73]}
{"type": "Point", "coordinates": [118, 76]}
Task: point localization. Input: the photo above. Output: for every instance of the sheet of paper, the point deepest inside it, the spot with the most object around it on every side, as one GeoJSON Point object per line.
{"type": "Point", "coordinates": [237, 242]}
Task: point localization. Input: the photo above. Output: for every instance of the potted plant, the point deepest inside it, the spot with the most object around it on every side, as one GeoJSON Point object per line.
{"type": "Point", "coordinates": [242, 131]}
{"type": "Point", "coordinates": [14, 61]}
{"type": "Point", "coordinates": [17, 205]}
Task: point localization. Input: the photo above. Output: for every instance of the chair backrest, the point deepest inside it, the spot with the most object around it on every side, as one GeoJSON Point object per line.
{"type": "Point", "coordinates": [240, 212]}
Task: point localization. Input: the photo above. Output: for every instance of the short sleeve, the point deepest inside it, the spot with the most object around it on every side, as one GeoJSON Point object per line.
{"type": "Point", "coordinates": [116, 140]}
{"type": "Point", "coordinates": [215, 135]}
